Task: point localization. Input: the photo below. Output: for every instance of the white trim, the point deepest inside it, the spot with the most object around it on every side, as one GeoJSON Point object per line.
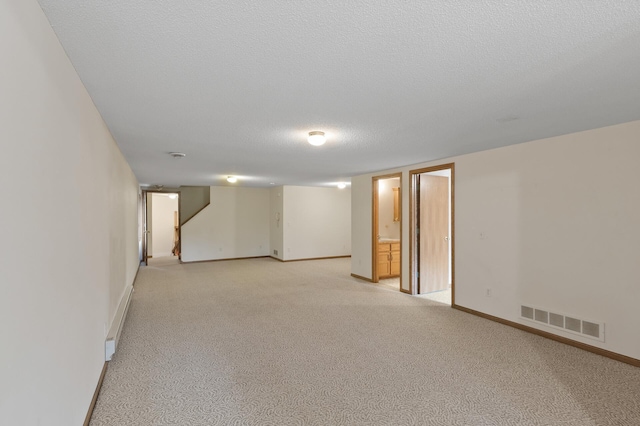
{"type": "Point", "coordinates": [116, 327]}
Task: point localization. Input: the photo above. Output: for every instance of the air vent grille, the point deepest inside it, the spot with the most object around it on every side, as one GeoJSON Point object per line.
{"type": "Point", "coordinates": [572, 324]}
{"type": "Point", "coordinates": [591, 329]}
{"type": "Point", "coordinates": [542, 316]}
{"type": "Point", "coordinates": [526, 312]}
{"type": "Point", "coordinates": [556, 320]}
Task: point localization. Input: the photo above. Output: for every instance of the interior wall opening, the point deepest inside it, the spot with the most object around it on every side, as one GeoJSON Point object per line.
{"type": "Point", "coordinates": [432, 257]}
{"type": "Point", "coordinates": [162, 227]}
{"type": "Point", "coordinates": [387, 231]}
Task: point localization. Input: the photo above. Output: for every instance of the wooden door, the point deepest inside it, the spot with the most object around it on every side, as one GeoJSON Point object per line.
{"type": "Point", "coordinates": [434, 233]}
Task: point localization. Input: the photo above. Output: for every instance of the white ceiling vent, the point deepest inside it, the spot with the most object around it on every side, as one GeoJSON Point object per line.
{"type": "Point", "coordinates": [591, 329]}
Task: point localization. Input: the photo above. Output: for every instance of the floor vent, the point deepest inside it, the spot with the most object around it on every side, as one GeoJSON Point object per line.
{"type": "Point", "coordinates": [591, 329]}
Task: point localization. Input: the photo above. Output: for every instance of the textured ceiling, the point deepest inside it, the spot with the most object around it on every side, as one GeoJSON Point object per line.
{"type": "Point", "coordinates": [237, 85]}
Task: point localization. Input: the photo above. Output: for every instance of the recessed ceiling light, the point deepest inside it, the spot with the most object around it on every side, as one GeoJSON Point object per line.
{"type": "Point", "coordinates": [342, 185]}
{"type": "Point", "coordinates": [177, 154]}
{"type": "Point", "coordinates": [232, 179]}
{"type": "Point", "coordinates": [317, 138]}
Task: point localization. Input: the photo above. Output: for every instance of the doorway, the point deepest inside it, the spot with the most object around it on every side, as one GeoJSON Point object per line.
{"type": "Point", "coordinates": [387, 231]}
{"type": "Point", "coordinates": [432, 231]}
{"type": "Point", "coordinates": [161, 228]}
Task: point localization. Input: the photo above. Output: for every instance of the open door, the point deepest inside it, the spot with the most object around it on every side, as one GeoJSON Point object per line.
{"type": "Point", "coordinates": [387, 230]}
{"type": "Point", "coordinates": [433, 226]}
{"type": "Point", "coordinates": [432, 230]}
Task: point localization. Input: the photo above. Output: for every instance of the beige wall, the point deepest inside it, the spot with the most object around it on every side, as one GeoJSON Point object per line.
{"type": "Point", "coordinates": [162, 224]}
{"type": "Point", "coordinates": [276, 233]}
{"type": "Point", "coordinates": [316, 222]}
{"type": "Point", "coordinates": [235, 224]}
{"type": "Point", "coordinates": [70, 244]}
{"type": "Point", "coordinates": [559, 225]}
{"type": "Point", "coordinates": [242, 222]}
{"type": "Point", "coordinates": [387, 228]}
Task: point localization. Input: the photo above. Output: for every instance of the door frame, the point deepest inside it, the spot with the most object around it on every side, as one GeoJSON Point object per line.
{"type": "Point", "coordinates": [374, 226]}
{"type": "Point", "coordinates": [414, 238]}
{"type": "Point", "coordinates": [145, 231]}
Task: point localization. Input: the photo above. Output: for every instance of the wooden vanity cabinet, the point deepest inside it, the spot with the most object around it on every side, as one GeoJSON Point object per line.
{"type": "Point", "coordinates": [388, 260]}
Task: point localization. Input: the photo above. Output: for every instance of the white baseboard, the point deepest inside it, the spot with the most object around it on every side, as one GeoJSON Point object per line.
{"type": "Point", "coordinates": [116, 327]}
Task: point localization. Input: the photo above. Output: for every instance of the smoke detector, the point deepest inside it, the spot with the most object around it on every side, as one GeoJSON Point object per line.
{"type": "Point", "coordinates": [177, 154]}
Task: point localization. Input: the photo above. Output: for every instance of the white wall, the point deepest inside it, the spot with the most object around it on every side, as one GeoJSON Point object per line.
{"type": "Point", "coordinates": [234, 225]}
{"type": "Point", "coordinates": [560, 220]}
{"type": "Point", "coordinates": [361, 223]}
{"type": "Point", "coordinates": [276, 206]}
{"type": "Point", "coordinates": [69, 233]}
{"type": "Point", "coordinates": [317, 222]}
{"type": "Point", "coordinates": [387, 228]}
{"type": "Point", "coordinates": [162, 224]}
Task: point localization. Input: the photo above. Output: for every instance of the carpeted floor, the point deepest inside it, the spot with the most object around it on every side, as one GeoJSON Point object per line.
{"type": "Point", "coordinates": [260, 342]}
{"type": "Point", "coordinates": [443, 296]}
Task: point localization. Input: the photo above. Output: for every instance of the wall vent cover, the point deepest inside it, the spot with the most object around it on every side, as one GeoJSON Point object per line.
{"type": "Point", "coordinates": [585, 328]}
{"type": "Point", "coordinates": [572, 324]}
{"type": "Point", "coordinates": [591, 329]}
{"type": "Point", "coordinates": [556, 320]}
{"type": "Point", "coordinates": [526, 312]}
{"type": "Point", "coordinates": [542, 316]}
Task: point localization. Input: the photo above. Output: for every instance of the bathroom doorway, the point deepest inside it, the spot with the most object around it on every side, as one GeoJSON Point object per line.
{"type": "Point", "coordinates": [387, 231]}
{"type": "Point", "coordinates": [432, 230]}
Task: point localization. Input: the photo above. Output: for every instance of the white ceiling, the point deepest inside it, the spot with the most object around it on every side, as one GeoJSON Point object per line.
{"type": "Point", "coordinates": [237, 85]}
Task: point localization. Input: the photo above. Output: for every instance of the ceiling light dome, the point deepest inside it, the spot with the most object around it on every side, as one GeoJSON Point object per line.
{"type": "Point", "coordinates": [342, 185]}
{"type": "Point", "coordinates": [317, 138]}
{"type": "Point", "coordinates": [232, 179]}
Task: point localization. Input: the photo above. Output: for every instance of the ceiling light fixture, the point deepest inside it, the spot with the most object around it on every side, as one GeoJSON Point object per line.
{"type": "Point", "coordinates": [316, 138]}
{"type": "Point", "coordinates": [342, 185]}
{"type": "Point", "coordinates": [232, 179]}
{"type": "Point", "coordinates": [177, 154]}
{"type": "Point", "coordinates": [173, 196]}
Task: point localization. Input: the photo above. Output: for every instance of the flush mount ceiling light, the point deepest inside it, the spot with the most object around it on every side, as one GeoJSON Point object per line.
{"type": "Point", "coordinates": [342, 185]}
{"type": "Point", "coordinates": [177, 154]}
{"type": "Point", "coordinates": [316, 138]}
{"type": "Point", "coordinates": [232, 179]}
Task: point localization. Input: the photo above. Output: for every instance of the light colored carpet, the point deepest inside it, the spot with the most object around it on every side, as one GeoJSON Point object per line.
{"type": "Point", "coordinates": [443, 296]}
{"type": "Point", "coordinates": [260, 342]}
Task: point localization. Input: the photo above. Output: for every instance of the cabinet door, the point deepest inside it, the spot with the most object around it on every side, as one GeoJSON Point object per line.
{"type": "Point", "coordinates": [395, 263]}
{"type": "Point", "coordinates": [384, 268]}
